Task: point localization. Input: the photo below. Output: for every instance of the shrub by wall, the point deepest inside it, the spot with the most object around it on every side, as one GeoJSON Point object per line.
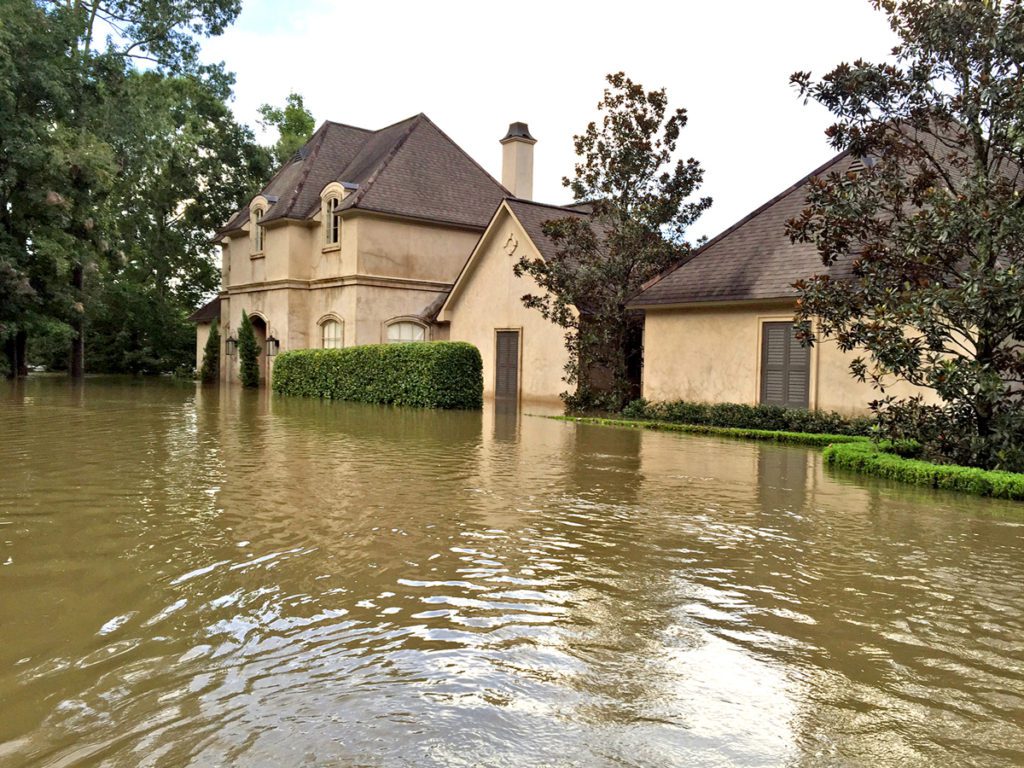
{"type": "Point", "coordinates": [436, 374]}
{"type": "Point", "coordinates": [879, 460]}
{"type": "Point", "coordinates": [760, 417]}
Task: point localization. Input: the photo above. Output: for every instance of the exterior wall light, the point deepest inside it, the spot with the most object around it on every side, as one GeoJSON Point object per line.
{"type": "Point", "coordinates": [231, 346]}
{"type": "Point", "coordinates": [272, 346]}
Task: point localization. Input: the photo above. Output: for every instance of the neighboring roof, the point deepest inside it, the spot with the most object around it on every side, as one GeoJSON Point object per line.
{"type": "Point", "coordinates": [753, 259]}
{"type": "Point", "coordinates": [207, 313]}
{"type": "Point", "coordinates": [411, 168]}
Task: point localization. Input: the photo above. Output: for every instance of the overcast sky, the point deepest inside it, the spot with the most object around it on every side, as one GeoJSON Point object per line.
{"type": "Point", "coordinates": [474, 67]}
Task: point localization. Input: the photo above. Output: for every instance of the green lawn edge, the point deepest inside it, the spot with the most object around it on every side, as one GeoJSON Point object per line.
{"type": "Point", "coordinates": [796, 438]}
{"type": "Point", "coordinates": [853, 453]}
{"type": "Point", "coordinates": [869, 459]}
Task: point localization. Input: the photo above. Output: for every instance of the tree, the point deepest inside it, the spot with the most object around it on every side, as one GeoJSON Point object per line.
{"type": "Point", "coordinates": [248, 354]}
{"type": "Point", "coordinates": [639, 198]}
{"type": "Point", "coordinates": [294, 124]}
{"type": "Point", "coordinates": [932, 230]}
{"type": "Point", "coordinates": [60, 93]}
{"type": "Point", "coordinates": [209, 371]}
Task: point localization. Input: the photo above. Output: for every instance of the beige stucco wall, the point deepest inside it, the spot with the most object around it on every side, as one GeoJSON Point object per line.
{"type": "Point", "coordinates": [202, 334]}
{"type": "Point", "coordinates": [384, 268]}
{"type": "Point", "coordinates": [489, 299]}
{"type": "Point", "coordinates": [713, 354]}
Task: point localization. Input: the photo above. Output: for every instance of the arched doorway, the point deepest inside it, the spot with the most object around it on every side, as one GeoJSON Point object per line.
{"type": "Point", "coordinates": [259, 328]}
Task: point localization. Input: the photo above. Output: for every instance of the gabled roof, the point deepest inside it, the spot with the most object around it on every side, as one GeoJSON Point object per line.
{"type": "Point", "coordinates": [531, 216]}
{"type": "Point", "coordinates": [207, 313]}
{"type": "Point", "coordinates": [411, 168]}
{"type": "Point", "coordinates": [752, 260]}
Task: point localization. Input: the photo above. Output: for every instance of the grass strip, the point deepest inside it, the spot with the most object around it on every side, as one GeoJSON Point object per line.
{"type": "Point", "coordinates": [775, 436]}
{"type": "Point", "coordinates": [872, 459]}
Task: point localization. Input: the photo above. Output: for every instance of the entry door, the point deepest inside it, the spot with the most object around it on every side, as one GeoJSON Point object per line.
{"type": "Point", "coordinates": [785, 367]}
{"type": "Point", "coordinates": [506, 365]}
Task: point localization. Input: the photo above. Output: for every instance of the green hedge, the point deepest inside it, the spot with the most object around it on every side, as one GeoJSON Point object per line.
{"type": "Point", "coordinates": [873, 459]}
{"type": "Point", "coordinates": [777, 436]}
{"type": "Point", "coordinates": [761, 417]}
{"type": "Point", "coordinates": [436, 374]}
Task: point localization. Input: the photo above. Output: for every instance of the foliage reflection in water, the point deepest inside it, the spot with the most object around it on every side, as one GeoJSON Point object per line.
{"type": "Point", "coordinates": [202, 576]}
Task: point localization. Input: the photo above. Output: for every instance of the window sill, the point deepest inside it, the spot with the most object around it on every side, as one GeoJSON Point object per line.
{"type": "Point", "coordinates": [254, 256]}
{"type": "Point", "coordinates": [331, 248]}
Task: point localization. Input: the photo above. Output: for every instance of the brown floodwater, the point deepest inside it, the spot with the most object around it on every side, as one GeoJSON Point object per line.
{"type": "Point", "coordinates": [214, 577]}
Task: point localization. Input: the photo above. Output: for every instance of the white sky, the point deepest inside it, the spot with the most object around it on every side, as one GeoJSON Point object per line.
{"type": "Point", "coordinates": [474, 67]}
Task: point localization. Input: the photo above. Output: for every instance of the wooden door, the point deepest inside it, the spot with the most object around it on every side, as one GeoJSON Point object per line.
{"type": "Point", "coordinates": [506, 365]}
{"type": "Point", "coordinates": [785, 367]}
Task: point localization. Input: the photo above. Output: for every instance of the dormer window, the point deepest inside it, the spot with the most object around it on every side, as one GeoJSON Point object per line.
{"type": "Point", "coordinates": [257, 233]}
{"type": "Point", "coordinates": [332, 221]}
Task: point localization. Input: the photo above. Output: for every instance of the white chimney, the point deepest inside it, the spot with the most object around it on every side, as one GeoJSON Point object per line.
{"type": "Point", "coordinates": [517, 161]}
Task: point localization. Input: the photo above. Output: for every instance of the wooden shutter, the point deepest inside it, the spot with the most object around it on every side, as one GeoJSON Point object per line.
{"type": "Point", "coordinates": [506, 376]}
{"type": "Point", "coordinates": [785, 367]}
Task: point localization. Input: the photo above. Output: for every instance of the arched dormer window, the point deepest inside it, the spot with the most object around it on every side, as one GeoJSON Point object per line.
{"type": "Point", "coordinates": [332, 332]}
{"type": "Point", "coordinates": [256, 210]}
{"type": "Point", "coordinates": [404, 330]}
{"type": "Point", "coordinates": [330, 213]}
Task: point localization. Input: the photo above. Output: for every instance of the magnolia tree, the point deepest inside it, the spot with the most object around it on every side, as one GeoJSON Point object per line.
{"type": "Point", "coordinates": [640, 197]}
{"type": "Point", "coordinates": [930, 235]}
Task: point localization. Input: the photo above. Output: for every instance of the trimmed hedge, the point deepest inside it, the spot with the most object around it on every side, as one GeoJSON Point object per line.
{"type": "Point", "coordinates": [878, 460]}
{"type": "Point", "coordinates": [759, 417]}
{"type": "Point", "coordinates": [435, 374]}
{"type": "Point", "coordinates": [777, 436]}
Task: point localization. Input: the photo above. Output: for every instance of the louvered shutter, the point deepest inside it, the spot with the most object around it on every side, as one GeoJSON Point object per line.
{"type": "Point", "coordinates": [785, 367]}
{"type": "Point", "coordinates": [506, 376]}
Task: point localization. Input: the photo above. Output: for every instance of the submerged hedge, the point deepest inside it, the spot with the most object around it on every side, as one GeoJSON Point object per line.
{"type": "Point", "coordinates": [775, 436]}
{"type": "Point", "coordinates": [759, 417]}
{"type": "Point", "coordinates": [873, 459]}
{"type": "Point", "coordinates": [435, 374]}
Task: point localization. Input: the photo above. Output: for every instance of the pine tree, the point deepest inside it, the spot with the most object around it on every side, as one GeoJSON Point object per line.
{"type": "Point", "coordinates": [248, 354]}
{"type": "Point", "coordinates": [210, 370]}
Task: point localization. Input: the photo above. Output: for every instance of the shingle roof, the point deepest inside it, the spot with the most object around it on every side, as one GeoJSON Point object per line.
{"type": "Point", "coordinates": [207, 313]}
{"type": "Point", "coordinates": [411, 168]}
{"type": "Point", "coordinates": [751, 260]}
{"type": "Point", "coordinates": [533, 215]}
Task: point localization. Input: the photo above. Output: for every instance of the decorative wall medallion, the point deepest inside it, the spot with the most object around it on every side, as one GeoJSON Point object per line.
{"type": "Point", "coordinates": [511, 244]}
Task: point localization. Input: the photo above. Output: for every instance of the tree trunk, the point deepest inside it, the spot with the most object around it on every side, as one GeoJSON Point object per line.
{"type": "Point", "coordinates": [14, 351]}
{"type": "Point", "coordinates": [76, 366]}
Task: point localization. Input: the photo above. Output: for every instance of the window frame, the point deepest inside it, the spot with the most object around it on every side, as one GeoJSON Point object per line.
{"type": "Point", "coordinates": [400, 322]}
{"type": "Point", "coordinates": [258, 240]}
{"type": "Point", "coordinates": [323, 325]}
{"type": "Point", "coordinates": [332, 221]}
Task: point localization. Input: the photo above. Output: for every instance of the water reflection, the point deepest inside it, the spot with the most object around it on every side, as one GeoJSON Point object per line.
{"type": "Point", "coordinates": [211, 576]}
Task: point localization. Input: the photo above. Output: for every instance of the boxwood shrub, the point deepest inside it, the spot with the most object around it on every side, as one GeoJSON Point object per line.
{"type": "Point", "coordinates": [436, 374]}
{"type": "Point", "coordinates": [880, 460]}
{"type": "Point", "coordinates": [769, 417]}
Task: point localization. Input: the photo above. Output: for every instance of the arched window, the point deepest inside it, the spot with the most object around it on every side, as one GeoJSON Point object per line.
{"type": "Point", "coordinates": [405, 331]}
{"type": "Point", "coordinates": [332, 221]}
{"type": "Point", "coordinates": [257, 235]}
{"type": "Point", "coordinates": [332, 334]}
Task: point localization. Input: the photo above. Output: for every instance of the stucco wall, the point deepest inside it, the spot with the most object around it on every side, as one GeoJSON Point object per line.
{"type": "Point", "coordinates": [490, 298]}
{"type": "Point", "coordinates": [412, 250]}
{"type": "Point", "coordinates": [202, 334]}
{"type": "Point", "coordinates": [713, 355]}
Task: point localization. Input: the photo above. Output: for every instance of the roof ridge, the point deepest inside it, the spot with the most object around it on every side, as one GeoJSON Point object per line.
{"type": "Point", "coordinates": [538, 204]}
{"type": "Point", "coordinates": [307, 164]}
{"type": "Point", "coordinates": [729, 230]}
{"type": "Point", "coordinates": [346, 125]}
{"type": "Point", "coordinates": [386, 160]}
{"type": "Point", "coordinates": [465, 154]}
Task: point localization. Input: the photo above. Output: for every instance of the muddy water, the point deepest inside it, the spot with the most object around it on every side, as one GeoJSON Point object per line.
{"type": "Point", "coordinates": [196, 577]}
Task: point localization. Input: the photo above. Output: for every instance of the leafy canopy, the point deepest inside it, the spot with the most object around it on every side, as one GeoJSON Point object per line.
{"type": "Point", "coordinates": [932, 229]}
{"type": "Point", "coordinates": [638, 195]}
{"type": "Point", "coordinates": [294, 124]}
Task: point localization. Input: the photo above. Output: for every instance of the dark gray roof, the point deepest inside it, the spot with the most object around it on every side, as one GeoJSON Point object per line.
{"type": "Point", "coordinates": [207, 313]}
{"type": "Point", "coordinates": [411, 168]}
{"type": "Point", "coordinates": [533, 215]}
{"type": "Point", "coordinates": [753, 259]}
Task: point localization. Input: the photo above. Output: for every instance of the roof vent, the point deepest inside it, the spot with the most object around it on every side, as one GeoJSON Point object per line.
{"type": "Point", "coordinates": [519, 131]}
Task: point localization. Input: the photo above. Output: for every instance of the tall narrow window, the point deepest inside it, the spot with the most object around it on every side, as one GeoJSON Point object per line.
{"type": "Point", "coordinates": [399, 333]}
{"type": "Point", "coordinates": [330, 335]}
{"type": "Point", "coordinates": [332, 223]}
{"type": "Point", "coordinates": [257, 216]}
